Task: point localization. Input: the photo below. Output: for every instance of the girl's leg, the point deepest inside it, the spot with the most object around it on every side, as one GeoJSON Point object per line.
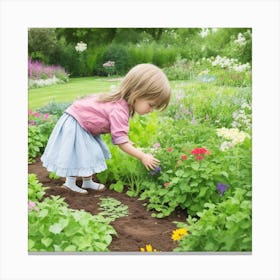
{"type": "Point", "coordinates": [70, 183]}
{"type": "Point", "coordinates": [89, 184]}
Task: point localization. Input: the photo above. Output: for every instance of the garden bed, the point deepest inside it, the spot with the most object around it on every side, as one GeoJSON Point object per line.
{"type": "Point", "coordinates": [134, 231]}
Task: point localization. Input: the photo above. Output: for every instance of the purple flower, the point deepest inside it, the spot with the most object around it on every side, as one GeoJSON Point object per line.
{"type": "Point", "coordinates": [221, 188]}
{"type": "Point", "coordinates": [156, 170]}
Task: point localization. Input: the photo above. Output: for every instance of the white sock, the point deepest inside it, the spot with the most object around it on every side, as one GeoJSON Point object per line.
{"type": "Point", "coordinates": [70, 183]}
{"type": "Point", "coordinates": [89, 184]}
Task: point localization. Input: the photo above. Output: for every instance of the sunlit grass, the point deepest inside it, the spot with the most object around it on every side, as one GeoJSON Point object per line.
{"type": "Point", "coordinates": [76, 87]}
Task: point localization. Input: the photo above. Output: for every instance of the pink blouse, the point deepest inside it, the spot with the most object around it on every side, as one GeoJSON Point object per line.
{"type": "Point", "coordinates": [102, 117]}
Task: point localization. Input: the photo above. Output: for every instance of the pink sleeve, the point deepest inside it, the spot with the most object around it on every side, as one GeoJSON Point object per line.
{"type": "Point", "coordinates": [119, 126]}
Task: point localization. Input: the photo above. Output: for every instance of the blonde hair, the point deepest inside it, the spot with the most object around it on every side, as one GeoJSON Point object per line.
{"type": "Point", "coordinates": [145, 81]}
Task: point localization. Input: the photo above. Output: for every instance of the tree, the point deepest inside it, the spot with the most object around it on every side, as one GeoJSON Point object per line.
{"type": "Point", "coordinates": [41, 43]}
{"type": "Point", "coordinates": [91, 36]}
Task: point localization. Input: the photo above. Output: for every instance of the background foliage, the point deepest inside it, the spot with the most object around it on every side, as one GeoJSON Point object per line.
{"type": "Point", "coordinates": [130, 46]}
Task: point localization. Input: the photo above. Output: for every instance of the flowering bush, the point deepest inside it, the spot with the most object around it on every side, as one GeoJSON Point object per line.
{"type": "Point", "coordinates": [109, 67]}
{"type": "Point", "coordinates": [40, 75]}
{"type": "Point", "coordinates": [188, 178]}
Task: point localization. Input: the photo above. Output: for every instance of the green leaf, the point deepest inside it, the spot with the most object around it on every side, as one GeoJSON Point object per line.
{"type": "Point", "coordinates": [43, 213]}
{"type": "Point", "coordinates": [31, 244]}
{"type": "Point", "coordinates": [47, 241]}
{"type": "Point", "coordinates": [70, 248]}
{"type": "Point", "coordinates": [131, 193]}
{"type": "Point", "coordinates": [174, 181]}
{"type": "Point", "coordinates": [56, 228]}
{"type": "Point", "coordinates": [179, 173]}
{"type": "Point", "coordinates": [224, 173]}
{"type": "Point", "coordinates": [195, 165]}
{"type": "Point", "coordinates": [203, 191]}
{"type": "Point", "coordinates": [118, 187]}
{"type": "Point", "coordinates": [108, 239]}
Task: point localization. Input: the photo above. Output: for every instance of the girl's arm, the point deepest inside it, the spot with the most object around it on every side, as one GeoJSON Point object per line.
{"type": "Point", "coordinates": [148, 160]}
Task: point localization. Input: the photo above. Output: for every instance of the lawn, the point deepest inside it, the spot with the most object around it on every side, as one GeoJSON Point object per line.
{"type": "Point", "coordinates": [75, 88]}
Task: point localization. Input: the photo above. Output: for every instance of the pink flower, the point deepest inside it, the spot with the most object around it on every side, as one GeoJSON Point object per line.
{"type": "Point", "coordinates": [156, 145]}
{"type": "Point", "coordinates": [169, 150]}
{"type": "Point", "coordinates": [32, 206]}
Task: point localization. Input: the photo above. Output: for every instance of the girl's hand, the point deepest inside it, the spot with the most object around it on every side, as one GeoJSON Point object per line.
{"type": "Point", "coordinates": [149, 161]}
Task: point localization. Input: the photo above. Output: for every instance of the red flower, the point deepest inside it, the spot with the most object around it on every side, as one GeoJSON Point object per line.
{"type": "Point", "coordinates": [169, 150]}
{"type": "Point", "coordinates": [199, 151]}
{"type": "Point", "coordinates": [166, 184]}
{"type": "Point", "coordinates": [183, 157]}
{"type": "Point", "coordinates": [199, 157]}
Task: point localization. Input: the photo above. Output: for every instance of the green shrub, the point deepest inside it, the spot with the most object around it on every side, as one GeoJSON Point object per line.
{"type": "Point", "coordinates": [118, 54]}
{"type": "Point", "coordinates": [221, 227]}
{"type": "Point", "coordinates": [54, 108]}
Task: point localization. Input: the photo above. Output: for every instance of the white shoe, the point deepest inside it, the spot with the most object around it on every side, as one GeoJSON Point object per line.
{"type": "Point", "coordinates": [75, 188]}
{"type": "Point", "coordinates": [93, 186]}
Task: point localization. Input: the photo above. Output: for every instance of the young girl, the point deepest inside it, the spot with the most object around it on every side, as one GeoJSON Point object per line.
{"type": "Point", "coordinates": [75, 147]}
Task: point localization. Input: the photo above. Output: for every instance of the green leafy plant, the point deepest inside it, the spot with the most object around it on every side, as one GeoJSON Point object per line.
{"type": "Point", "coordinates": [40, 126]}
{"type": "Point", "coordinates": [52, 175]}
{"type": "Point", "coordinates": [35, 143]}
{"type": "Point", "coordinates": [112, 209]}
{"type": "Point", "coordinates": [225, 226]}
{"type": "Point", "coordinates": [53, 227]}
{"type": "Point", "coordinates": [35, 188]}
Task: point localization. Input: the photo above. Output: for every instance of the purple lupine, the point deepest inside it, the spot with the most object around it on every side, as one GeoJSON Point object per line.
{"type": "Point", "coordinates": [156, 170]}
{"type": "Point", "coordinates": [221, 188]}
{"type": "Point", "coordinates": [36, 69]}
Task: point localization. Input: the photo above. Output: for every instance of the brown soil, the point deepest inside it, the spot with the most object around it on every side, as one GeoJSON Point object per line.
{"type": "Point", "coordinates": [134, 231]}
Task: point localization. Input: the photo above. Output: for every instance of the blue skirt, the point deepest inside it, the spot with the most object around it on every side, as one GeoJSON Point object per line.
{"type": "Point", "coordinates": [72, 151]}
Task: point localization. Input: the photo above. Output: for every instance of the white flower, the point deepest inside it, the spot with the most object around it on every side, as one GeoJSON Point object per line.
{"type": "Point", "coordinates": [226, 145]}
{"type": "Point", "coordinates": [241, 40]}
{"type": "Point", "coordinates": [233, 135]}
{"type": "Point", "coordinates": [204, 32]}
{"type": "Point", "coordinates": [81, 47]}
{"type": "Point", "coordinates": [42, 83]}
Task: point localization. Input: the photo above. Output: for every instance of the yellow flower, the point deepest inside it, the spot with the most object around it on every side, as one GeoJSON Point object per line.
{"type": "Point", "coordinates": [179, 233]}
{"type": "Point", "coordinates": [148, 248]}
